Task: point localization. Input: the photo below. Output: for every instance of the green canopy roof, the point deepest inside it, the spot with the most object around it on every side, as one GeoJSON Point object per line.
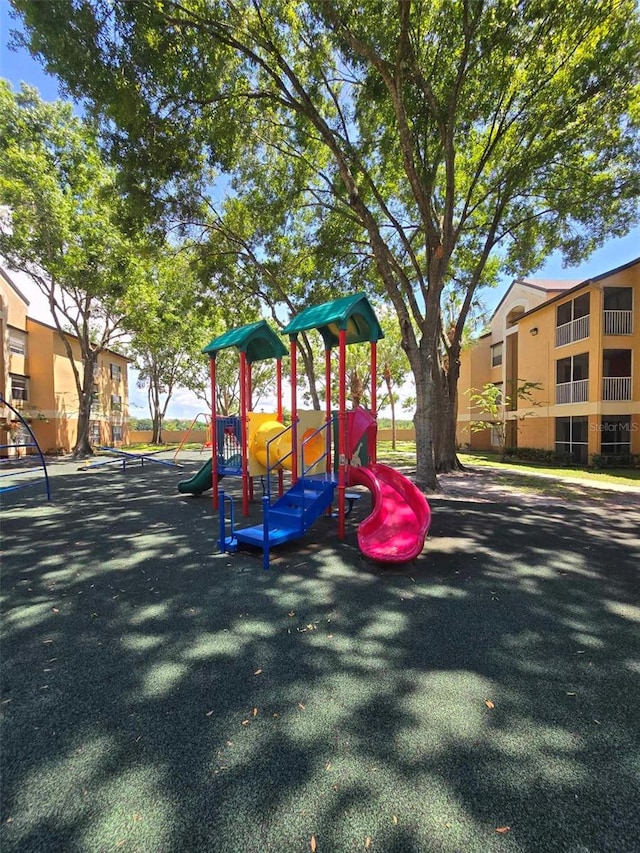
{"type": "Point", "coordinates": [353, 314]}
{"type": "Point", "coordinates": [257, 340]}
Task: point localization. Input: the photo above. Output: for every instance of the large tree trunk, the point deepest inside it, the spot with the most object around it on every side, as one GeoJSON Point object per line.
{"type": "Point", "coordinates": [421, 364]}
{"type": "Point", "coordinates": [82, 447]}
{"type": "Point", "coordinates": [156, 437]}
{"type": "Point", "coordinates": [446, 386]}
{"type": "Point", "coordinates": [306, 354]}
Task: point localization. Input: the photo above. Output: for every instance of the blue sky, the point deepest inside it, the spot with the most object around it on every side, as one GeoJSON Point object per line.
{"type": "Point", "coordinates": [19, 67]}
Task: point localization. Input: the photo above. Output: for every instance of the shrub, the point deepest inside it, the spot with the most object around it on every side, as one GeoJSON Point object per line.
{"type": "Point", "coordinates": [615, 460]}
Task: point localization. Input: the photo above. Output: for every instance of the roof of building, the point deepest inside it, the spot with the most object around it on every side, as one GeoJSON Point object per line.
{"type": "Point", "coordinates": [546, 285]}
{"type": "Point", "coordinates": [257, 340]}
{"type": "Point", "coordinates": [353, 314]}
{"type": "Point", "coordinates": [558, 288]}
{"type": "Point", "coordinates": [584, 283]}
{"type": "Point", "coordinates": [13, 285]}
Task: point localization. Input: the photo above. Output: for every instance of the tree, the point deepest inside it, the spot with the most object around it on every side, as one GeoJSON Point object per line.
{"type": "Point", "coordinates": [166, 329]}
{"type": "Point", "coordinates": [444, 133]}
{"type": "Point", "coordinates": [493, 405]}
{"type": "Point", "coordinates": [61, 230]}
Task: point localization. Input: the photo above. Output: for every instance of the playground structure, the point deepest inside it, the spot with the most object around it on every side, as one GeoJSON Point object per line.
{"type": "Point", "coordinates": [323, 452]}
{"type": "Point", "coordinates": [30, 443]}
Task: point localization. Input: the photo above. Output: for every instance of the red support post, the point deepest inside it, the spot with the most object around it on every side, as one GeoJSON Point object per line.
{"type": "Point", "coordinates": [243, 433]}
{"type": "Point", "coordinates": [342, 431]}
{"type": "Point", "coordinates": [373, 451]}
{"type": "Point", "coordinates": [214, 432]}
{"type": "Point", "coordinates": [279, 415]}
{"type": "Point", "coordinates": [294, 411]}
{"type": "Point", "coordinates": [249, 409]}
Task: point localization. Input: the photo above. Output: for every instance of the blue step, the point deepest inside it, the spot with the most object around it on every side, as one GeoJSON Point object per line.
{"type": "Point", "coordinates": [288, 519]}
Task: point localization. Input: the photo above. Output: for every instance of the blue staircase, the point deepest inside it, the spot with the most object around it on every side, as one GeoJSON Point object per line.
{"type": "Point", "coordinates": [288, 518]}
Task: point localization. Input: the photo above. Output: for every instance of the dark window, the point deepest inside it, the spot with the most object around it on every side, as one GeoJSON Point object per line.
{"type": "Point", "coordinates": [496, 355]}
{"type": "Point", "coordinates": [581, 306]}
{"type": "Point", "coordinates": [572, 369]}
{"type": "Point", "coordinates": [571, 437]}
{"type": "Point", "coordinates": [618, 298]}
{"type": "Point", "coordinates": [19, 388]}
{"type": "Point", "coordinates": [568, 311]}
{"type": "Point", "coordinates": [116, 372]}
{"type": "Point", "coordinates": [615, 431]}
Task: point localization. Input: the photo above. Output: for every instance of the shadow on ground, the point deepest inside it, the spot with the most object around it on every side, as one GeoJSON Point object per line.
{"type": "Point", "coordinates": [158, 696]}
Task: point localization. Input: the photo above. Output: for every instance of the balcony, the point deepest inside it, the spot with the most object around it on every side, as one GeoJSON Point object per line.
{"type": "Point", "coordinates": [616, 388]}
{"type": "Point", "coordinates": [618, 322]}
{"type": "Point", "coordinates": [574, 330]}
{"type": "Point", "coordinates": [572, 392]}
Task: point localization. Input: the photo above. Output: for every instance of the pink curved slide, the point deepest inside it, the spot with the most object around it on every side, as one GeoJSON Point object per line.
{"type": "Point", "coordinates": [395, 530]}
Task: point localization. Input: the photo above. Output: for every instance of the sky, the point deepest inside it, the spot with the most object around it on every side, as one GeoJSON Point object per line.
{"type": "Point", "coordinates": [18, 66]}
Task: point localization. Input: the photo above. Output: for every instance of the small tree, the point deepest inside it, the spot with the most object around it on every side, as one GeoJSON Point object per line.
{"type": "Point", "coordinates": [494, 405]}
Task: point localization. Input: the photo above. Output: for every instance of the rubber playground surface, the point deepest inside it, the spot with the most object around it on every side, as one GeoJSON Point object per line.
{"type": "Point", "coordinates": [158, 696]}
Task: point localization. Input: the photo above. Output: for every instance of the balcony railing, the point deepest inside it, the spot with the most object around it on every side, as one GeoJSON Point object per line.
{"type": "Point", "coordinates": [616, 388]}
{"type": "Point", "coordinates": [574, 330]}
{"type": "Point", "coordinates": [618, 322]}
{"type": "Point", "coordinates": [572, 392]}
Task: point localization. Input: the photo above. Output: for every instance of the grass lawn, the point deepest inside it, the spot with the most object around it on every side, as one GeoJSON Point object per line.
{"type": "Point", "coordinates": [405, 452]}
{"type": "Point", "coordinates": [619, 476]}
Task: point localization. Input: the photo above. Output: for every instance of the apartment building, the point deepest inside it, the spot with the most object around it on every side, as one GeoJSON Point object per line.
{"type": "Point", "coordinates": [36, 377]}
{"type": "Point", "coordinates": [579, 341]}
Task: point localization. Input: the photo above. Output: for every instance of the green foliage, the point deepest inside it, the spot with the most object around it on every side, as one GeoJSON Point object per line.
{"type": "Point", "coordinates": [62, 229]}
{"type": "Point", "coordinates": [601, 461]}
{"type": "Point", "coordinates": [361, 150]}
{"type": "Point", "coordinates": [493, 405]}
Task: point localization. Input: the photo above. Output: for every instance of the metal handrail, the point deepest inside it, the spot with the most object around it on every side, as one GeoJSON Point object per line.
{"type": "Point", "coordinates": [277, 464]}
{"type": "Point", "coordinates": [326, 425]}
{"type": "Point", "coordinates": [221, 518]}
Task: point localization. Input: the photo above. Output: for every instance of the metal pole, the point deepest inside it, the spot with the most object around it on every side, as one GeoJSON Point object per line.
{"type": "Point", "coordinates": [243, 432]}
{"type": "Point", "coordinates": [214, 432]}
{"type": "Point", "coordinates": [327, 382]}
{"type": "Point", "coordinates": [342, 431]}
{"type": "Point", "coordinates": [373, 451]}
{"type": "Point", "coordinates": [294, 411]}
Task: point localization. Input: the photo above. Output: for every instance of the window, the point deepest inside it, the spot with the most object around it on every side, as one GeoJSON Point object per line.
{"type": "Point", "coordinates": [116, 372]}
{"type": "Point", "coordinates": [95, 397]}
{"type": "Point", "coordinates": [572, 320]}
{"type": "Point", "coordinates": [571, 437]}
{"type": "Point", "coordinates": [618, 298]}
{"type": "Point", "coordinates": [572, 379]}
{"type": "Point", "coordinates": [116, 433]}
{"type": "Point", "coordinates": [94, 432]}
{"type": "Point", "coordinates": [496, 355]}
{"type": "Point", "coordinates": [618, 311]}
{"type": "Point", "coordinates": [19, 388]}
{"type": "Point", "coordinates": [17, 342]}
{"type": "Point", "coordinates": [116, 403]}
{"type": "Point", "coordinates": [615, 431]}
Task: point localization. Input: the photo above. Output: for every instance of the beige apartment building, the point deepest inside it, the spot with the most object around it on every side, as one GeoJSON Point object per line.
{"type": "Point", "coordinates": [580, 341]}
{"type": "Point", "coordinates": [37, 379]}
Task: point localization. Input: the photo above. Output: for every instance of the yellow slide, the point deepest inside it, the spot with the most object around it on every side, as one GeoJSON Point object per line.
{"type": "Point", "coordinates": [280, 449]}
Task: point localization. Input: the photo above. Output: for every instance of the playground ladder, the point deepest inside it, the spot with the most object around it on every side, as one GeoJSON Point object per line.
{"type": "Point", "coordinates": [288, 519]}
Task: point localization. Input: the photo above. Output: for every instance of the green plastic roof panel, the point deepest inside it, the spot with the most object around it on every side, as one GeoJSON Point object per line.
{"type": "Point", "coordinates": [257, 340]}
{"type": "Point", "coordinates": [351, 313]}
